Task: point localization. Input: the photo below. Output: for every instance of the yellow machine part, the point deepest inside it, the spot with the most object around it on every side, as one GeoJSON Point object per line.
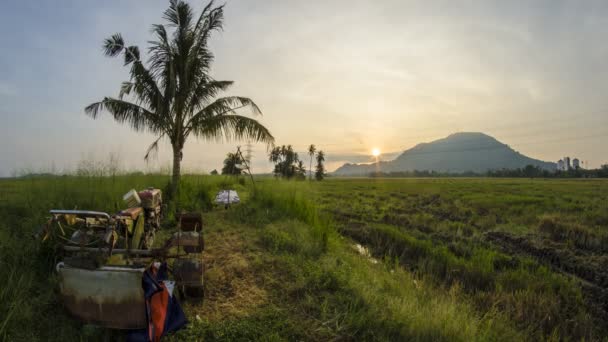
{"type": "Point", "coordinates": [129, 225]}
{"type": "Point", "coordinates": [138, 231]}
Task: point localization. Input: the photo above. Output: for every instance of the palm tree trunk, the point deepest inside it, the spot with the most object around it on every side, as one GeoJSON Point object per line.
{"type": "Point", "coordinates": [310, 169]}
{"type": "Point", "coordinates": [177, 159]}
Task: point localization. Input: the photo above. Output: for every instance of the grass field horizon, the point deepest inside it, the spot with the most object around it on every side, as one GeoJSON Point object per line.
{"type": "Point", "coordinates": [355, 259]}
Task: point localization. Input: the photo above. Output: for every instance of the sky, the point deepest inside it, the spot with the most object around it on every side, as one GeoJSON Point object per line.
{"type": "Point", "coordinates": [346, 75]}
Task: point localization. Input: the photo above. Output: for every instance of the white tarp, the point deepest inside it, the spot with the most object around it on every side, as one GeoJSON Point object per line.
{"type": "Point", "coordinates": [227, 197]}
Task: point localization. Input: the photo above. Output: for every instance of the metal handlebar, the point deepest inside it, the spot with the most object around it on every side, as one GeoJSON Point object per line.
{"type": "Point", "coordinates": [86, 213]}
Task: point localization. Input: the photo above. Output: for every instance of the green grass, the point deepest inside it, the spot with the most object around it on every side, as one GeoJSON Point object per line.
{"type": "Point", "coordinates": [521, 247]}
{"type": "Point", "coordinates": [453, 259]}
{"type": "Point", "coordinates": [320, 288]}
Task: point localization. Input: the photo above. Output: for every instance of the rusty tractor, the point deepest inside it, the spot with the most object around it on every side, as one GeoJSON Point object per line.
{"type": "Point", "coordinates": [104, 257]}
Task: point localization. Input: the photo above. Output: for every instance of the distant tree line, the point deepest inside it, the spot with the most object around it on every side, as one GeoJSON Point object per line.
{"type": "Point", "coordinates": [530, 171]}
{"type": "Point", "coordinates": [287, 163]}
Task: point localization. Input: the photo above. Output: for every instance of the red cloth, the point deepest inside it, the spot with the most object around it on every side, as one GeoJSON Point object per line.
{"type": "Point", "coordinates": [158, 304]}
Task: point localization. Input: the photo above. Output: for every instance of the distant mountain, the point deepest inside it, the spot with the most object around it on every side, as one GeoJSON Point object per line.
{"type": "Point", "coordinates": [457, 153]}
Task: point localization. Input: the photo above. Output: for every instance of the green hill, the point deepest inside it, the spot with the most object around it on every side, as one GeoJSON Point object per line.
{"type": "Point", "coordinates": [457, 153]}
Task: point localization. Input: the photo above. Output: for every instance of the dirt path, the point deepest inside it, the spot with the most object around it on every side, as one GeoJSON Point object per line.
{"type": "Point", "coordinates": [231, 290]}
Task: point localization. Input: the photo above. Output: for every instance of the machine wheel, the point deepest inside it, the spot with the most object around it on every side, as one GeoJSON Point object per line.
{"type": "Point", "coordinates": [189, 278]}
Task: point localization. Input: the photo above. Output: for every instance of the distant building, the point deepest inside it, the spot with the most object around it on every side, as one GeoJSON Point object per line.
{"type": "Point", "coordinates": [564, 164]}
{"type": "Point", "coordinates": [567, 162]}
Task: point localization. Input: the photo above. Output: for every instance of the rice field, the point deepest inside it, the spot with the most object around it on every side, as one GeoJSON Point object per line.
{"type": "Point", "coordinates": [534, 250]}
{"type": "Point", "coordinates": [347, 259]}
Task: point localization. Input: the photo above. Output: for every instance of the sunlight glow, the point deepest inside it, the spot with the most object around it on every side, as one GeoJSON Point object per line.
{"type": "Point", "coordinates": [375, 152]}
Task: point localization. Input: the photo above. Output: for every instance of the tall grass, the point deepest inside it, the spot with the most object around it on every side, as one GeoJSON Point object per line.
{"type": "Point", "coordinates": [436, 230]}
{"type": "Point", "coordinates": [351, 296]}
{"type": "Point", "coordinates": [14, 295]}
{"type": "Point", "coordinates": [285, 197]}
{"type": "Point", "coordinates": [538, 300]}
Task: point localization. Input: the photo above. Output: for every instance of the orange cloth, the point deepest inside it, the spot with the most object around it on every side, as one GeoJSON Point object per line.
{"type": "Point", "coordinates": [158, 307]}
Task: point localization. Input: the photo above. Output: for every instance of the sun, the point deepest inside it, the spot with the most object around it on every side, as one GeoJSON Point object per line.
{"type": "Point", "coordinates": [375, 152]}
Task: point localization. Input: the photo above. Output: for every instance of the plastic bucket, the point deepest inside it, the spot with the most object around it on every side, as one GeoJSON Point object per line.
{"type": "Point", "coordinates": [132, 199]}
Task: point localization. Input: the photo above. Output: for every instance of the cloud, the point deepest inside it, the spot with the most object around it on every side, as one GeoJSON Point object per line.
{"type": "Point", "coordinates": [347, 76]}
{"type": "Point", "coordinates": [7, 89]}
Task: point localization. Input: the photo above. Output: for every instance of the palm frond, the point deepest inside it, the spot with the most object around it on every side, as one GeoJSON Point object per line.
{"type": "Point", "coordinates": [178, 13]}
{"type": "Point", "coordinates": [145, 86]}
{"type": "Point", "coordinates": [205, 91]}
{"type": "Point", "coordinates": [160, 50]}
{"type": "Point", "coordinates": [125, 89]}
{"type": "Point", "coordinates": [204, 14]}
{"type": "Point", "coordinates": [143, 81]}
{"type": "Point", "coordinates": [113, 46]}
{"type": "Point", "coordinates": [210, 20]}
{"type": "Point", "coordinates": [139, 118]}
{"type": "Point", "coordinates": [312, 149]}
{"type": "Point", "coordinates": [232, 127]}
{"type": "Point", "coordinates": [153, 149]}
{"type": "Point", "coordinates": [162, 62]}
{"type": "Point", "coordinates": [225, 105]}
{"type": "Point", "coordinates": [320, 157]}
{"type": "Point", "coordinates": [131, 54]}
{"type": "Point", "coordinates": [184, 15]}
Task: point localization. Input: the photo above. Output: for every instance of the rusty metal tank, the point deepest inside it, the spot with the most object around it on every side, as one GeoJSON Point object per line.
{"type": "Point", "coordinates": [109, 296]}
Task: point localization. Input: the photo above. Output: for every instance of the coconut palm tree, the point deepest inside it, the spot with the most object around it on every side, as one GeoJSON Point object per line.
{"type": "Point", "coordinates": [320, 170]}
{"type": "Point", "coordinates": [231, 164]}
{"type": "Point", "coordinates": [311, 152]}
{"type": "Point", "coordinates": [286, 162]}
{"type": "Point", "coordinates": [172, 95]}
{"type": "Point", "coordinates": [300, 171]}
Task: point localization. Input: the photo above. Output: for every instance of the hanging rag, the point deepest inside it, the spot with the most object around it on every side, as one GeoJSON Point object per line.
{"type": "Point", "coordinates": [163, 312]}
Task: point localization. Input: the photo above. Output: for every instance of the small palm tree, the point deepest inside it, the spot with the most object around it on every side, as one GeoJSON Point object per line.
{"type": "Point", "coordinates": [320, 169]}
{"type": "Point", "coordinates": [301, 170]}
{"type": "Point", "coordinates": [173, 96]}
{"type": "Point", "coordinates": [311, 152]}
{"type": "Point", "coordinates": [232, 164]}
